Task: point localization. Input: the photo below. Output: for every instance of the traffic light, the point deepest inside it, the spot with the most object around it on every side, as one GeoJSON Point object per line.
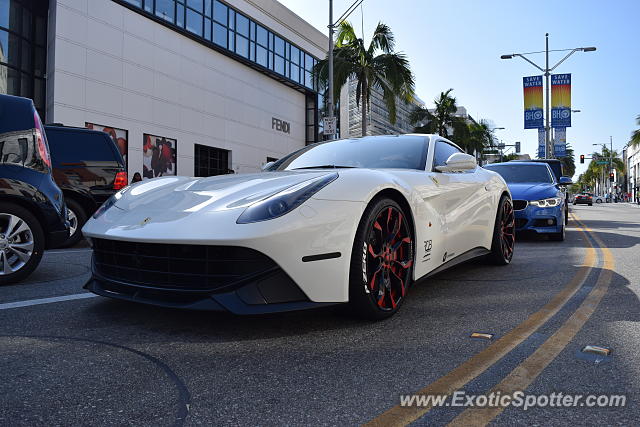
{"type": "Point", "coordinates": [611, 177]}
{"type": "Point", "coordinates": [581, 158]}
{"type": "Point", "coordinates": [517, 146]}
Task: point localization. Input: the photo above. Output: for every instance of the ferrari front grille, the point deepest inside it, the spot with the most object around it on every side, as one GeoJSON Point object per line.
{"type": "Point", "coordinates": [519, 205]}
{"type": "Point", "coordinates": [183, 267]}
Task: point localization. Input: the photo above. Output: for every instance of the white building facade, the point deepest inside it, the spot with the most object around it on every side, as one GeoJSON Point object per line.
{"type": "Point", "coordinates": [217, 86]}
{"type": "Point", "coordinates": [632, 163]}
{"type": "Point", "coordinates": [378, 122]}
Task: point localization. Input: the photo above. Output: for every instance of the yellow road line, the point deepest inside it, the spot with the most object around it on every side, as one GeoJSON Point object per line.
{"type": "Point", "coordinates": [477, 364]}
{"type": "Point", "coordinates": [525, 373]}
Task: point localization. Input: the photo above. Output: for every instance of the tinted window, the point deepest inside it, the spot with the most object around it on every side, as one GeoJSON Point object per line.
{"type": "Point", "coordinates": [442, 153]}
{"type": "Point", "coordinates": [522, 173]}
{"type": "Point", "coordinates": [406, 152]}
{"type": "Point", "coordinates": [79, 146]}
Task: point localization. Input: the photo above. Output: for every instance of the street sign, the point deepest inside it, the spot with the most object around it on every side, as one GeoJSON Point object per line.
{"type": "Point", "coordinates": [329, 125]}
{"type": "Point", "coordinates": [602, 162]}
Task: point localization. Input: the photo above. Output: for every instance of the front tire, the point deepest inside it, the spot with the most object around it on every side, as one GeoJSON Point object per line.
{"type": "Point", "coordinates": [503, 234]}
{"type": "Point", "coordinates": [381, 261]}
{"type": "Point", "coordinates": [558, 237]}
{"type": "Point", "coordinates": [21, 243]}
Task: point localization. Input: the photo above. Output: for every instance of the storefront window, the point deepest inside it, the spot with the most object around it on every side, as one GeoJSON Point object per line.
{"type": "Point", "coordinates": [23, 51]}
{"type": "Point", "coordinates": [233, 31]}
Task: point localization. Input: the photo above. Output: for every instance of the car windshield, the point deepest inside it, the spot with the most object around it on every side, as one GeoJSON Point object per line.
{"type": "Point", "coordinates": [519, 173]}
{"type": "Point", "coordinates": [398, 152]}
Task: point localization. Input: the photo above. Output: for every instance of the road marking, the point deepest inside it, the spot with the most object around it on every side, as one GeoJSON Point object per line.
{"type": "Point", "coordinates": [480, 362]}
{"type": "Point", "coordinates": [525, 373]}
{"type": "Point", "coordinates": [27, 303]}
{"type": "Point", "coordinates": [65, 251]}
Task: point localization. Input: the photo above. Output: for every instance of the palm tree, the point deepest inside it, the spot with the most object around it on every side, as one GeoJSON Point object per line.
{"type": "Point", "coordinates": [481, 137]}
{"type": "Point", "coordinates": [616, 160]}
{"type": "Point", "coordinates": [376, 66]}
{"type": "Point", "coordinates": [441, 119]}
{"type": "Point", "coordinates": [635, 136]}
{"type": "Point", "coordinates": [568, 162]}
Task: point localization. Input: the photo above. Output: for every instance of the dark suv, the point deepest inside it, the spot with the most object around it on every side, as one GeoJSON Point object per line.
{"type": "Point", "coordinates": [89, 169]}
{"type": "Point", "coordinates": [32, 210]}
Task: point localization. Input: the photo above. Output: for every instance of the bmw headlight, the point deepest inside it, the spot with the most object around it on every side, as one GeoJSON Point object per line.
{"type": "Point", "coordinates": [285, 201]}
{"type": "Point", "coordinates": [546, 203]}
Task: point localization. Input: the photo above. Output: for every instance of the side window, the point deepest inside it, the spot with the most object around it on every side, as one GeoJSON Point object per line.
{"type": "Point", "coordinates": [442, 152]}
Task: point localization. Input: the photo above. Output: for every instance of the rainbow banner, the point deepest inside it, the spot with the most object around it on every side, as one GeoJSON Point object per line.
{"type": "Point", "coordinates": [533, 116]}
{"type": "Point", "coordinates": [560, 100]}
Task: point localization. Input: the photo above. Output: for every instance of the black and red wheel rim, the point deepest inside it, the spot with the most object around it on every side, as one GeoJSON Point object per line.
{"type": "Point", "coordinates": [507, 230]}
{"type": "Point", "coordinates": [389, 258]}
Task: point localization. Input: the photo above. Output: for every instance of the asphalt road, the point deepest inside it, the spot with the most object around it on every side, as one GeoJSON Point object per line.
{"type": "Point", "coordinates": [97, 361]}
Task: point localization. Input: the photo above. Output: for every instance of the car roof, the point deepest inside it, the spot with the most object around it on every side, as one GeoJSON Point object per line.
{"type": "Point", "coordinates": [523, 162]}
{"type": "Point", "coordinates": [538, 161]}
{"type": "Point", "coordinates": [16, 113]}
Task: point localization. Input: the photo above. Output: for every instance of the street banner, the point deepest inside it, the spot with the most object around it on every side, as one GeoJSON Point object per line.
{"type": "Point", "coordinates": [533, 116]}
{"type": "Point", "coordinates": [561, 100]}
{"type": "Point", "coordinates": [560, 142]}
{"type": "Point", "coordinates": [542, 143]}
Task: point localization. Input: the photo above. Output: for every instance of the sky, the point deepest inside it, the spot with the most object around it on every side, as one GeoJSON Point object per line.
{"type": "Point", "coordinates": [457, 44]}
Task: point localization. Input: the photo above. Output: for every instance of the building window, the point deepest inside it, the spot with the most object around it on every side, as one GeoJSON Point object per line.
{"type": "Point", "coordinates": [210, 161]}
{"type": "Point", "coordinates": [217, 22]}
{"type": "Point", "coordinates": [23, 56]}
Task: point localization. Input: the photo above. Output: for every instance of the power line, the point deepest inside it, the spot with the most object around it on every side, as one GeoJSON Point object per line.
{"type": "Point", "coordinates": [348, 12]}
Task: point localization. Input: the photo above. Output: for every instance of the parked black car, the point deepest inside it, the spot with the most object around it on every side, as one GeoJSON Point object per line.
{"type": "Point", "coordinates": [32, 210]}
{"type": "Point", "coordinates": [89, 169]}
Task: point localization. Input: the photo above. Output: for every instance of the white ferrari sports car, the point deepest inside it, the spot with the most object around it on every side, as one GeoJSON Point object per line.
{"type": "Point", "coordinates": [348, 221]}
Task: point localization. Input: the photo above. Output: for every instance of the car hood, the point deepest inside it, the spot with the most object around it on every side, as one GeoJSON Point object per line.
{"type": "Point", "coordinates": [532, 191]}
{"type": "Point", "coordinates": [183, 194]}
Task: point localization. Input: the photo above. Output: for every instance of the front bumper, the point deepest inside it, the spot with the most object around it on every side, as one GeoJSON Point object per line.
{"type": "Point", "coordinates": [293, 242]}
{"type": "Point", "coordinates": [540, 220]}
{"type": "Point", "coordinates": [270, 294]}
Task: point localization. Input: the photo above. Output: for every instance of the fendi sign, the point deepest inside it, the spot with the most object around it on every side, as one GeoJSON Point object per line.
{"type": "Point", "coordinates": [280, 125]}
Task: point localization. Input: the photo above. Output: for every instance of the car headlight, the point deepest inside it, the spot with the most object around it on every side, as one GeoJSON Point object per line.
{"type": "Point", "coordinates": [110, 202]}
{"type": "Point", "coordinates": [285, 201]}
{"type": "Point", "coordinates": [547, 203]}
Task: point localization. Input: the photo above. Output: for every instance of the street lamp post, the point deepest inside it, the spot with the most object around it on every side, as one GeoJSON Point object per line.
{"type": "Point", "coordinates": [332, 25]}
{"type": "Point", "coordinates": [547, 73]}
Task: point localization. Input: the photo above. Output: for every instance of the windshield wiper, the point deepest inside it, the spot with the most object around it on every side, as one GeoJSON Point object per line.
{"type": "Point", "coordinates": [325, 167]}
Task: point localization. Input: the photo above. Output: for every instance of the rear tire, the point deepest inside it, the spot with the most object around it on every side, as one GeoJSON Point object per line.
{"type": "Point", "coordinates": [504, 236]}
{"type": "Point", "coordinates": [21, 243]}
{"type": "Point", "coordinates": [381, 261]}
{"type": "Point", "coordinates": [77, 218]}
{"type": "Point", "coordinates": [591, 204]}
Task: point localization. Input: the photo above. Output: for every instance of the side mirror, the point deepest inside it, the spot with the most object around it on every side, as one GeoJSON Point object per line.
{"type": "Point", "coordinates": [266, 166]}
{"type": "Point", "coordinates": [458, 162]}
{"type": "Point", "coordinates": [565, 180]}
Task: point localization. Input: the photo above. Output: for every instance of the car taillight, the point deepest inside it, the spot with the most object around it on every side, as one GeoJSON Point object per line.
{"type": "Point", "coordinates": [121, 181]}
{"type": "Point", "coordinates": [43, 149]}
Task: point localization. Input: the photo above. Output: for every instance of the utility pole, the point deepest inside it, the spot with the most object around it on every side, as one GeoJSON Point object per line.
{"type": "Point", "coordinates": [547, 128]}
{"type": "Point", "coordinates": [330, 112]}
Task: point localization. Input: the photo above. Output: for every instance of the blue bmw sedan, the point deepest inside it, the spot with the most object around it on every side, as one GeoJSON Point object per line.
{"type": "Point", "coordinates": [538, 200]}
